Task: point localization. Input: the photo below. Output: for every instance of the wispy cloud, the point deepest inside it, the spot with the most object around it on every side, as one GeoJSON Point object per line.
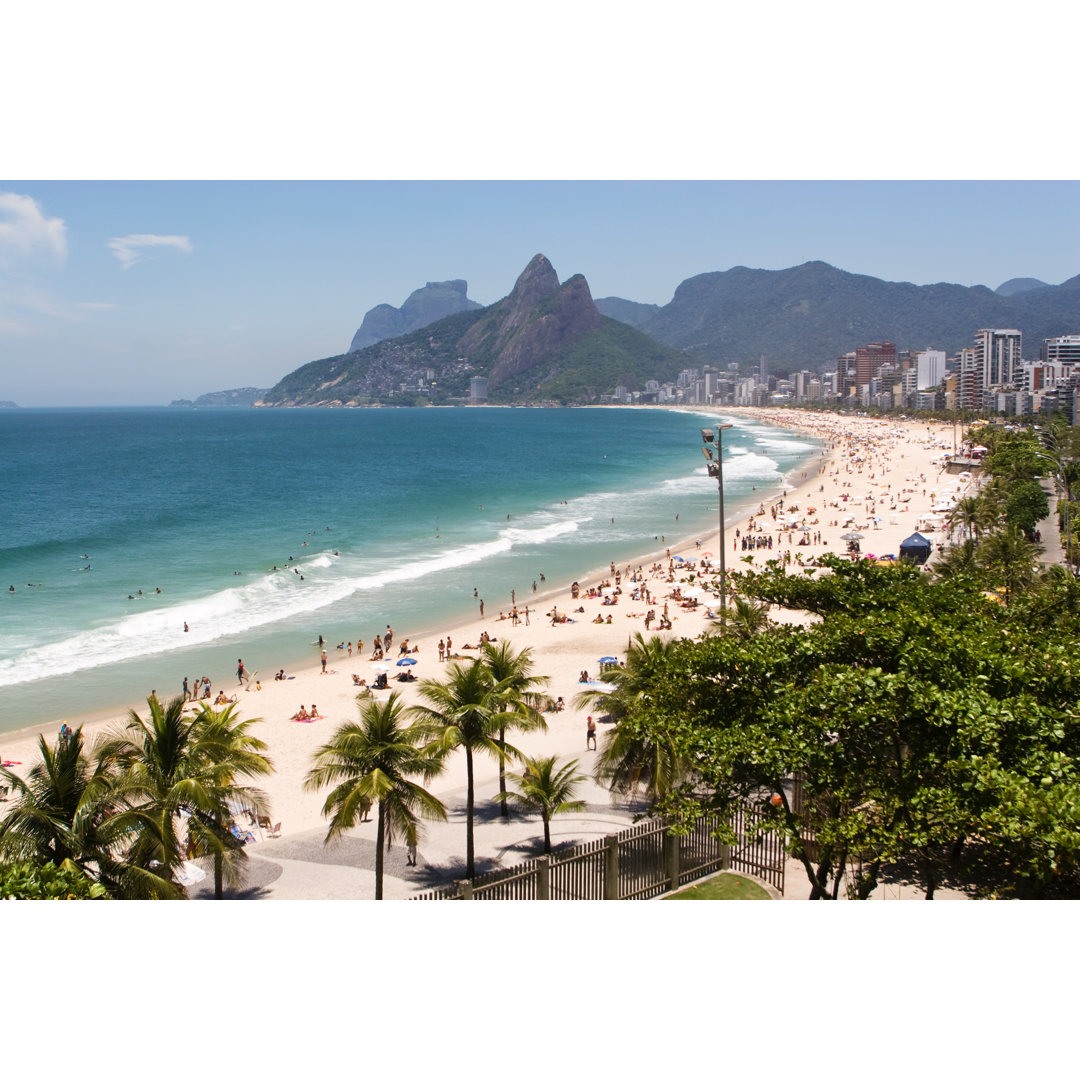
{"type": "Point", "coordinates": [95, 305]}
{"type": "Point", "coordinates": [25, 230]}
{"type": "Point", "coordinates": [136, 247]}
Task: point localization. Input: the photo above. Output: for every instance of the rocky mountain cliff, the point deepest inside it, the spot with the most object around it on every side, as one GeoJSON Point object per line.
{"type": "Point", "coordinates": [434, 301]}
{"type": "Point", "coordinates": [545, 341]}
{"type": "Point", "coordinates": [628, 311]}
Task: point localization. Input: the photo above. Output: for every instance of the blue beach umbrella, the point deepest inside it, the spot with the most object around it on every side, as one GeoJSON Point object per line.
{"type": "Point", "coordinates": [406, 661]}
{"type": "Point", "coordinates": [608, 660]}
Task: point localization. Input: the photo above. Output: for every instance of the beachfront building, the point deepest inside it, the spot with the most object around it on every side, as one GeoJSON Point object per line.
{"type": "Point", "coordinates": [478, 390]}
{"type": "Point", "coordinates": [997, 356]}
{"type": "Point", "coordinates": [929, 368]}
{"type": "Point", "coordinates": [1061, 350]}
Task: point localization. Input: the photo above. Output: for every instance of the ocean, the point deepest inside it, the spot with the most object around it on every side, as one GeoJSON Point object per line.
{"type": "Point", "coordinates": [138, 546]}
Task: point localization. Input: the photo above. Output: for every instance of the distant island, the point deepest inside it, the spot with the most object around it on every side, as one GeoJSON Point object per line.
{"type": "Point", "coordinates": [8, 405]}
{"type": "Point", "coordinates": [242, 398]}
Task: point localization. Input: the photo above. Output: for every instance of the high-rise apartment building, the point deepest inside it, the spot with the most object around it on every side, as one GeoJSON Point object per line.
{"type": "Point", "coordinates": [1063, 350]}
{"type": "Point", "coordinates": [930, 364]}
{"type": "Point", "coordinates": [997, 356]}
{"type": "Point", "coordinates": [869, 358]}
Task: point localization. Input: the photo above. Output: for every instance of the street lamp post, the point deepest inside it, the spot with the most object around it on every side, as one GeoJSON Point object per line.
{"type": "Point", "coordinates": [716, 468]}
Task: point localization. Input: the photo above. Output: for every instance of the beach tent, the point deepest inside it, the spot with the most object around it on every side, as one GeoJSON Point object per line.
{"type": "Point", "coordinates": [916, 548]}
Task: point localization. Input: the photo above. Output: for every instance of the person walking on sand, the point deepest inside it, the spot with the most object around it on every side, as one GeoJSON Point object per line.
{"type": "Point", "coordinates": [323, 662]}
{"type": "Point", "coordinates": [590, 733]}
{"type": "Point", "coordinates": [241, 674]}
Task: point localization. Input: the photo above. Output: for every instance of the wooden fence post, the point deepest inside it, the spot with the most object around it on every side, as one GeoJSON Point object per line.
{"type": "Point", "coordinates": [611, 869]}
{"type": "Point", "coordinates": [671, 860]}
{"type": "Point", "coordinates": [543, 878]}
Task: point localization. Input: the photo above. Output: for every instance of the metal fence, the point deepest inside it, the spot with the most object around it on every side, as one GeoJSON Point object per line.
{"type": "Point", "coordinates": [635, 864]}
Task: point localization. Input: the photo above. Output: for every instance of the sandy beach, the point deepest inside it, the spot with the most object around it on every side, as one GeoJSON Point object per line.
{"type": "Point", "coordinates": [877, 476]}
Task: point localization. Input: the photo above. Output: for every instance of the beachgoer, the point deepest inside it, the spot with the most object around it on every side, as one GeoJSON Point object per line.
{"type": "Point", "coordinates": [323, 662]}
{"type": "Point", "coordinates": [185, 628]}
{"type": "Point", "coordinates": [481, 609]}
{"type": "Point", "coordinates": [449, 645]}
{"type": "Point", "coordinates": [590, 733]}
{"type": "Point", "coordinates": [442, 648]}
{"type": "Point", "coordinates": [241, 674]}
{"type": "Point", "coordinates": [410, 847]}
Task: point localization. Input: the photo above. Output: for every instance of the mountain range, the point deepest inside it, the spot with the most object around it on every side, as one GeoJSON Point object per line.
{"type": "Point", "coordinates": [550, 341]}
{"type": "Point", "coordinates": [545, 341]}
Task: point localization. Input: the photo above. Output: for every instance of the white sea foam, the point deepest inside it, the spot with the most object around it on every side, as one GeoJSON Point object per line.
{"type": "Point", "coordinates": [276, 596]}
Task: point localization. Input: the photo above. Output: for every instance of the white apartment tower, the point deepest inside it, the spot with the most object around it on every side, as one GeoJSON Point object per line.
{"type": "Point", "coordinates": [997, 356]}
{"type": "Point", "coordinates": [930, 364]}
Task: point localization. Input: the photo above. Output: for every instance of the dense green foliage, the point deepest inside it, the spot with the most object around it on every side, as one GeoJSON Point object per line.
{"type": "Point", "coordinates": [25, 880]}
{"type": "Point", "coordinates": [917, 717]}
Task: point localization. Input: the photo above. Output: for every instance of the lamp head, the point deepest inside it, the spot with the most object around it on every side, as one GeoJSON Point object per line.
{"type": "Point", "coordinates": [708, 435]}
{"type": "Point", "coordinates": [707, 451]}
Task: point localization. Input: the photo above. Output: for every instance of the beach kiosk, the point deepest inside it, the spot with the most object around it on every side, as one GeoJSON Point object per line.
{"type": "Point", "coordinates": [916, 548]}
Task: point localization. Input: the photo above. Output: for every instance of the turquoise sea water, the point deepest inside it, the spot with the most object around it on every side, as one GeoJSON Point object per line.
{"type": "Point", "coordinates": [390, 516]}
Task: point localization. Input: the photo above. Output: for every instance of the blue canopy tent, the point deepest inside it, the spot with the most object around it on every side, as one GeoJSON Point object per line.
{"type": "Point", "coordinates": [916, 548]}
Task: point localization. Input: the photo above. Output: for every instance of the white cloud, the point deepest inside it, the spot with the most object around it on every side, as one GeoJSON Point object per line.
{"type": "Point", "coordinates": [95, 305]}
{"type": "Point", "coordinates": [132, 249]}
{"type": "Point", "coordinates": [25, 229]}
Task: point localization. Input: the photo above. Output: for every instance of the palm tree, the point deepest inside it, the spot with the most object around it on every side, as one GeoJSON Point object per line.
{"type": "Point", "coordinates": [1011, 558]}
{"type": "Point", "coordinates": [745, 618]}
{"type": "Point", "coordinates": [468, 712]}
{"type": "Point", "coordinates": [227, 740]}
{"type": "Point", "coordinates": [512, 673]}
{"type": "Point", "coordinates": [966, 514]}
{"type": "Point", "coordinates": [625, 761]}
{"type": "Point", "coordinates": [628, 683]}
{"type": "Point", "coordinates": [959, 559]}
{"type": "Point", "coordinates": [63, 813]}
{"type": "Point", "coordinates": [547, 791]}
{"type": "Point", "coordinates": [370, 763]}
{"type": "Point", "coordinates": [175, 766]}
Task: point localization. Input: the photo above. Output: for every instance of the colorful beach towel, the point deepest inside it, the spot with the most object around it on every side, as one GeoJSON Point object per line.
{"type": "Point", "coordinates": [8, 764]}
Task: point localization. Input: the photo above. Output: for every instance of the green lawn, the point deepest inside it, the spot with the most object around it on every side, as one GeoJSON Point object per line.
{"type": "Point", "coordinates": [722, 887]}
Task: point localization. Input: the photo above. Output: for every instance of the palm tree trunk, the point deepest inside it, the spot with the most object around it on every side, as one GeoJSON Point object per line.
{"type": "Point", "coordinates": [470, 861]}
{"type": "Point", "coordinates": [504, 810]}
{"type": "Point", "coordinates": [218, 890]}
{"type": "Point", "coordinates": [547, 835]}
{"type": "Point", "coordinates": [379, 836]}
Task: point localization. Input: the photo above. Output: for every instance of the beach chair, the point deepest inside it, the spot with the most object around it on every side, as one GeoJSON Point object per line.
{"type": "Point", "coordinates": [244, 837]}
{"type": "Point", "coordinates": [270, 830]}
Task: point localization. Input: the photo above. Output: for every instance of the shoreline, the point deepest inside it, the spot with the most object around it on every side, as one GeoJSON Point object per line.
{"type": "Point", "coordinates": [303, 659]}
{"type": "Point", "coordinates": [98, 719]}
{"type": "Point", "coordinates": [560, 652]}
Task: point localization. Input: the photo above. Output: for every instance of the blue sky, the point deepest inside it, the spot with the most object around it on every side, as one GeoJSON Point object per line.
{"type": "Point", "coordinates": [141, 291]}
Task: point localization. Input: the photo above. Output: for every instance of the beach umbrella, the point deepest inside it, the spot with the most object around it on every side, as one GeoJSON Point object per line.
{"type": "Point", "coordinates": [707, 554]}
{"type": "Point", "coordinates": [852, 536]}
{"type": "Point", "coordinates": [608, 660]}
{"type": "Point", "coordinates": [678, 558]}
{"type": "Point", "coordinates": [406, 661]}
{"type": "Point", "coordinates": [381, 666]}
